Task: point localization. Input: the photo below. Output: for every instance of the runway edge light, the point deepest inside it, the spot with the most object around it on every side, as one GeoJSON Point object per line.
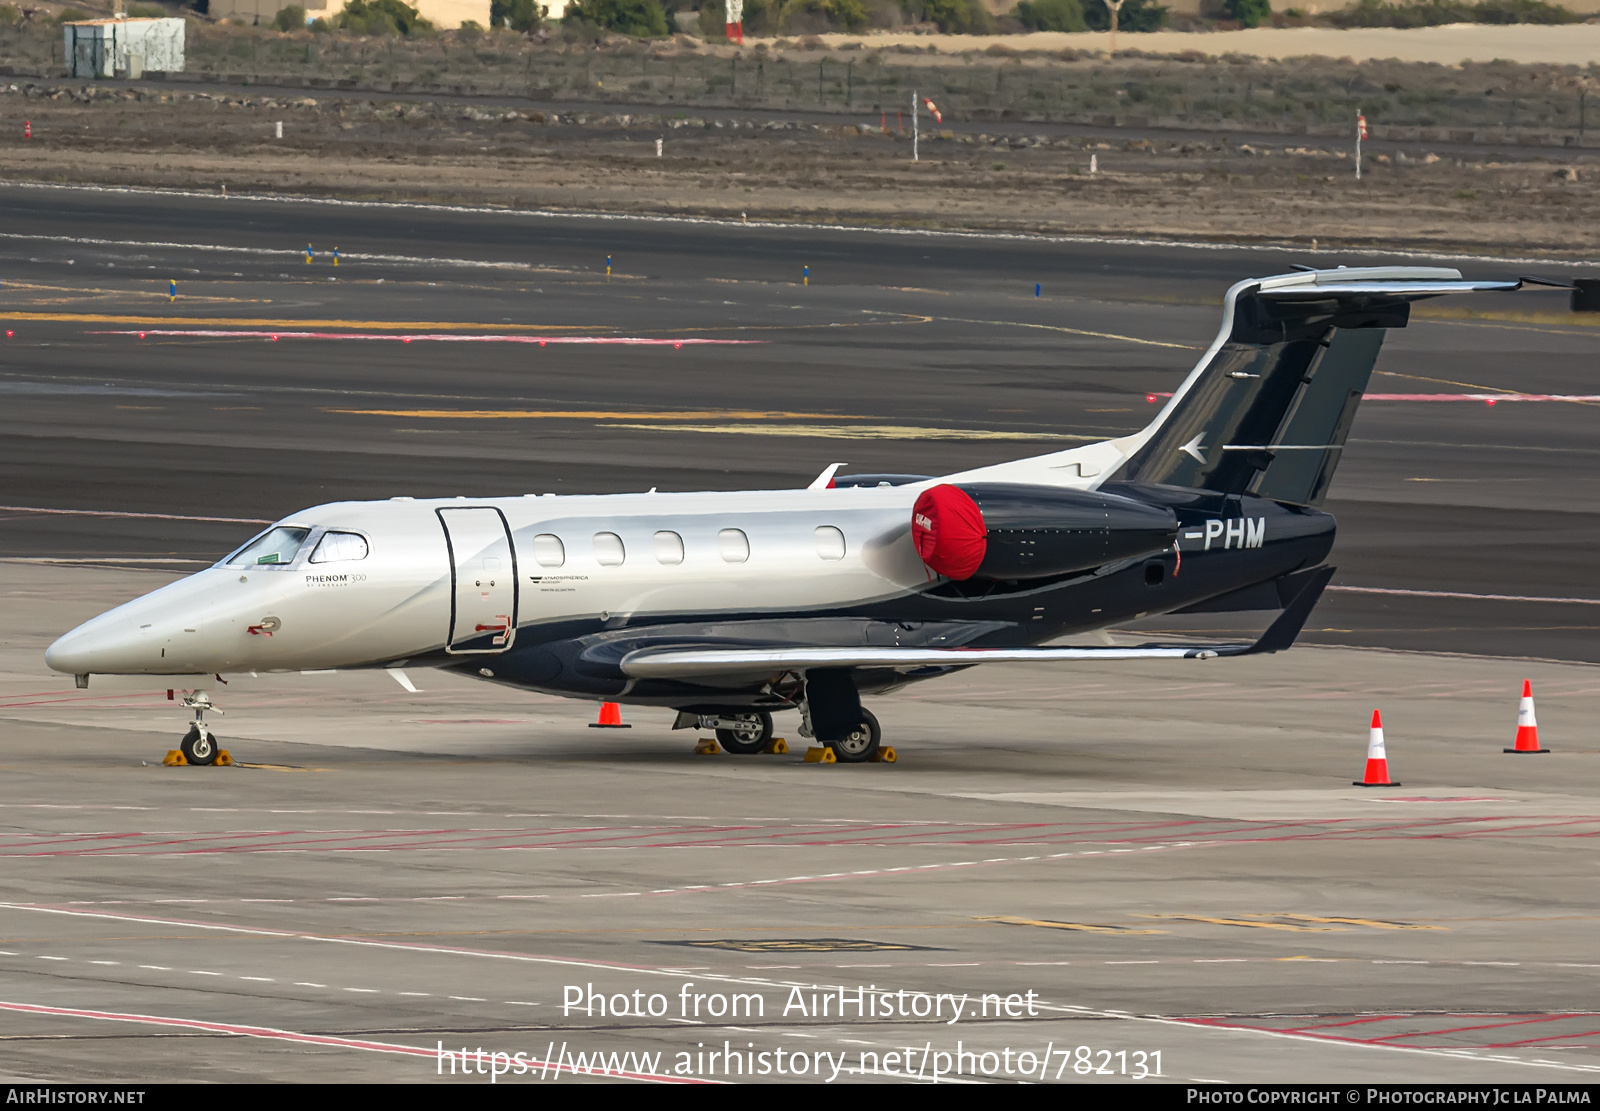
{"type": "Point", "coordinates": [1377, 774]}
{"type": "Point", "coordinates": [1527, 725]}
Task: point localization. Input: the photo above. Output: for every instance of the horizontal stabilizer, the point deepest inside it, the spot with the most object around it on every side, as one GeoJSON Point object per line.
{"type": "Point", "coordinates": [691, 663]}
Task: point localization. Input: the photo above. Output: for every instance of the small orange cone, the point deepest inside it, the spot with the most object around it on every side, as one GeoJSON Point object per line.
{"type": "Point", "coordinates": [610, 717]}
{"type": "Point", "coordinates": [1527, 727]}
{"type": "Point", "coordinates": [1377, 759]}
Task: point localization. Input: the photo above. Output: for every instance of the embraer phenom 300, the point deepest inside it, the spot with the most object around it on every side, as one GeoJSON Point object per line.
{"type": "Point", "coordinates": [730, 606]}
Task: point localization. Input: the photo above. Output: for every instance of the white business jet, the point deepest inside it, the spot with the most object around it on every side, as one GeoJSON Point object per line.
{"type": "Point", "coordinates": [730, 606]}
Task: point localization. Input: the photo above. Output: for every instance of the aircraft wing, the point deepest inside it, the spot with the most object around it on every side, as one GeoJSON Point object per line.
{"type": "Point", "coordinates": [690, 662]}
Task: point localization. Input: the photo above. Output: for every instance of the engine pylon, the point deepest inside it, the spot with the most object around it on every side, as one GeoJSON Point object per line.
{"type": "Point", "coordinates": [1527, 725]}
{"type": "Point", "coordinates": [1377, 774]}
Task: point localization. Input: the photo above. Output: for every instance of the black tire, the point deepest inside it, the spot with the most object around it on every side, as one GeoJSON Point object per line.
{"type": "Point", "coordinates": [750, 740]}
{"type": "Point", "coordinates": [199, 748]}
{"type": "Point", "coordinates": [861, 745]}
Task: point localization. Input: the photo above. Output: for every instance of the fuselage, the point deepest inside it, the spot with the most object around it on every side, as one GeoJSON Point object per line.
{"type": "Point", "coordinates": [549, 592]}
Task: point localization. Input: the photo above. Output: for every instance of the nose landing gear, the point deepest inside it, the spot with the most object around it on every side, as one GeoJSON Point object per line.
{"type": "Point", "coordinates": [199, 745]}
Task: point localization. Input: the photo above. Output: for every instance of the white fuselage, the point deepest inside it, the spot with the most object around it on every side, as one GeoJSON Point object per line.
{"type": "Point", "coordinates": [449, 574]}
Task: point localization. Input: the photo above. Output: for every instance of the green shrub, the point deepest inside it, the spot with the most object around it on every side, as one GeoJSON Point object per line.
{"type": "Point", "coordinates": [146, 11]}
{"type": "Point", "coordinates": [292, 18]}
{"type": "Point", "coordinates": [1051, 15]}
{"type": "Point", "coordinates": [9, 15]}
{"type": "Point", "coordinates": [1525, 11]}
{"type": "Point", "coordinates": [1435, 13]}
{"type": "Point", "coordinates": [640, 18]}
{"type": "Point", "coordinates": [519, 15]}
{"type": "Point", "coordinates": [959, 17]}
{"type": "Point", "coordinates": [1136, 15]}
{"type": "Point", "coordinates": [1251, 13]}
{"type": "Point", "coordinates": [70, 15]}
{"type": "Point", "coordinates": [382, 17]}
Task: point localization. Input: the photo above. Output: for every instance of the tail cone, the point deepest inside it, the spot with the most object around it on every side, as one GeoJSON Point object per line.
{"type": "Point", "coordinates": [1377, 774]}
{"type": "Point", "coordinates": [1527, 726]}
{"type": "Point", "coordinates": [610, 717]}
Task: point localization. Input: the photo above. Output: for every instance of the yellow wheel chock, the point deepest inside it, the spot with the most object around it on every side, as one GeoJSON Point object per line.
{"type": "Point", "coordinates": [885, 755]}
{"type": "Point", "coordinates": [821, 756]}
{"type": "Point", "coordinates": [777, 746]}
{"type": "Point", "coordinates": [706, 748]}
{"type": "Point", "coordinates": [174, 759]}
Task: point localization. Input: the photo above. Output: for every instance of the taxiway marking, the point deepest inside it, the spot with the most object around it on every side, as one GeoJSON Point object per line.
{"type": "Point", "coordinates": [120, 513]}
{"type": "Point", "coordinates": [424, 337]}
{"type": "Point", "coordinates": [1463, 595]}
{"type": "Point", "coordinates": [583, 414]}
{"type": "Point", "coordinates": [537, 214]}
{"type": "Point", "coordinates": [270, 322]}
{"type": "Point", "coordinates": [276, 1034]}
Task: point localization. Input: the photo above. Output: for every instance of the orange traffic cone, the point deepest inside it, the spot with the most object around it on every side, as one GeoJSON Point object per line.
{"type": "Point", "coordinates": [1527, 727]}
{"type": "Point", "coordinates": [1377, 759]}
{"type": "Point", "coordinates": [610, 717]}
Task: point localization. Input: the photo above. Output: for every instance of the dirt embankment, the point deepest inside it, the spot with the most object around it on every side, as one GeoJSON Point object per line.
{"type": "Point", "coordinates": [728, 165]}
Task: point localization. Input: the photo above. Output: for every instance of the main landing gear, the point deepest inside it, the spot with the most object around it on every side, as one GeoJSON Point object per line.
{"type": "Point", "coordinates": [860, 745]}
{"type": "Point", "coordinates": [199, 745]}
{"type": "Point", "coordinates": [745, 733]}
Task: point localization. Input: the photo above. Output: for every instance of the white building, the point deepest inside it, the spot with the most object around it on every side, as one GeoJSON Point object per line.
{"type": "Point", "coordinates": [123, 47]}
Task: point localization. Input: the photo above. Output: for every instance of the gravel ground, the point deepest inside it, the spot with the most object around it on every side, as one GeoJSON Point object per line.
{"type": "Point", "coordinates": [727, 164]}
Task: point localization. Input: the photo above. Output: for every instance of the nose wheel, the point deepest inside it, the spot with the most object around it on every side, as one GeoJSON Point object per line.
{"type": "Point", "coordinates": [199, 745]}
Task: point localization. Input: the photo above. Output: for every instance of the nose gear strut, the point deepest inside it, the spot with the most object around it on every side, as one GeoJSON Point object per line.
{"type": "Point", "coordinates": [199, 745]}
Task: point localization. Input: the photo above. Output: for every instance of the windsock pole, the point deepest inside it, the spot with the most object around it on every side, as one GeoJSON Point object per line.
{"type": "Point", "coordinates": [1527, 726]}
{"type": "Point", "coordinates": [1377, 774]}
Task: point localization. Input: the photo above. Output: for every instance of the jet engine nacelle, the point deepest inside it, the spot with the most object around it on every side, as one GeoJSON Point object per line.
{"type": "Point", "coordinates": [1008, 531]}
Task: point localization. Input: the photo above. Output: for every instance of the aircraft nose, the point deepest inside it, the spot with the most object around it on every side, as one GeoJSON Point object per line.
{"type": "Point", "coordinates": [102, 645]}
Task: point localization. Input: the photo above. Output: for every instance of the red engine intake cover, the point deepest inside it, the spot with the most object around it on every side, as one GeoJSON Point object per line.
{"type": "Point", "coordinates": [949, 532]}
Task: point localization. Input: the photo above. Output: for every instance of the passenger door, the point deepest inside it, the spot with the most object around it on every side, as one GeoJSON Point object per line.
{"type": "Point", "coordinates": [483, 580]}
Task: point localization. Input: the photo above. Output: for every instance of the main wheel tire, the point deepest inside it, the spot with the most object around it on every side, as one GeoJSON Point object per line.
{"type": "Point", "coordinates": [746, 740]}
{"type": "Point", "coordinates": [199, 748]}
{"type": "Point", "coordinates": [862, 744]}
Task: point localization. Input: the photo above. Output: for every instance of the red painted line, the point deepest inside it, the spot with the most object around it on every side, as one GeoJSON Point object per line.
{"type": "Point", "coordinates": [1541, 1041]}
{"type": "Point", "coordinates": [1347, 1022]}
{"type": "Point", "coordinates": [1482, 1026]}
{"type": "Point", "coordinates": [431, 337]}
{"type": "Point", "coordinates": [328, 1040]}
{"type": "Point", "coordinates": [118, 513]}
{"type": "Point", "coordinates": [161, 694]}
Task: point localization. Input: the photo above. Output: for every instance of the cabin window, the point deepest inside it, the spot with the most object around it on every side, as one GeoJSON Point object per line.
{"type": "Point", "coordinates": [668, 548]}
{"type": "Point", "coordinates": [276, 547]}
{"type": "Point", "coordinates": [734, 545]}
{"type": "Point", "coordinates": [608, 549]}
{"type": "Point", "coordinates": [336, 547]}
{"type": "Point", "coordinates": [830, 542]}
{"type": "Point", "coordinates": [548, 550]}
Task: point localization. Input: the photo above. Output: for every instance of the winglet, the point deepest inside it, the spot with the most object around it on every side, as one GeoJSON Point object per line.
{"type": "Point", "coordinates": [824, 481]}
{"type": "Point", "coordinates": [1281, 634]}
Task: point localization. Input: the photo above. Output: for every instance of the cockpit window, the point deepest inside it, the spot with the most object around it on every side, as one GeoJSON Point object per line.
{"type": "Point", "coordinates": [337, 546]}
{"type": "Point", "coordinates": [275, 547]}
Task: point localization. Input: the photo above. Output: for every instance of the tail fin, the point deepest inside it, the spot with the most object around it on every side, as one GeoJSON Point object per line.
{"type": "Point", "coordinates": [1268, 408]}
